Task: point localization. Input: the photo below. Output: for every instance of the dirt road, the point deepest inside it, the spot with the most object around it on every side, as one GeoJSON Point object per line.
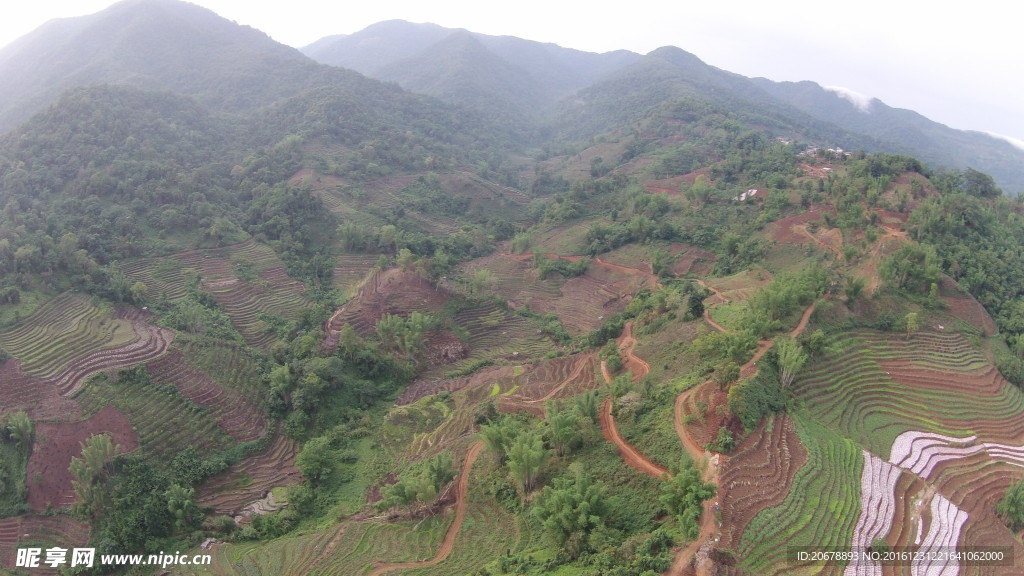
{"type": "Point", "coordinates": [629, 454]}
{"type": "Point", "coordinates": [461, 502]}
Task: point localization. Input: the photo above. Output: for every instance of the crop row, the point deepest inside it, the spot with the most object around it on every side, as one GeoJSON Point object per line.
{"type": "Point", "coordinates": [772, 451]}
{"type": "Point", "coordinates": [877, 509]}
{"type": "Point", "coordinates": [879, 387]}
{"type": "Point", "coordinates": [820, 510]}
{"type": "Point", "coordinates": [243, 303]}
{"type": "Point", "coordinates": [488, 531]}
{"type": "Point", "coordinates": [944, 530]}
{"type": "Point", "coordinates": [236, 415]}
{"type": "Point", "coordinates": [166, 422]}
{"type": "Point", "coordinates": [249, 480]}
{"type": "Point", "coordinates": [229, 364]}
{"type": "Point", "coordinates": [62, 330]}
{"type": "Point", "coordinates": [350, 269]}
{"type": "Point", "coordinates": [152, 343]}
{"type": "Point", "coordinates": [39, 398]}
{"type": "Point", "coordinates": [366, 543]}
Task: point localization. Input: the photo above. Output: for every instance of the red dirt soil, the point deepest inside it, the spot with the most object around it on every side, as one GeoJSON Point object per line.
{"type": "Point", "coordinates": [773, 453]}
{"type": "Point", "coordinates": [965, 307]}
{"type": "Point", "coordinates": [629, 454]}
{"type": "Point", "coordinates": [39, 398]}
{"type": "Point", "coordinates": [251, 479]}
{"type": "Point", "coordinates": [686, 556]}
{"type": "Point", "coordinates": [545, 381]}
{"type": "Point", "coordinates": [422, 387]}
{"type": "Point", "coordinates": [235, 415]}
{"type": "Point", "coordinates": [47, 477]}
{"type": "Point", "coordinates": [392, 291]}
{"type": "Point", "coordinates": [785, 231]}
{"type": "Point", "coordinates": [461, 503]}
{"type": "Point", "coordinates": [60, 530]}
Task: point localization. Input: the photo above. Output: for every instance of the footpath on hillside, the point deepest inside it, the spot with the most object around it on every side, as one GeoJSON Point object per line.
{"type": "Point", "coordinates": [701, 546]}
{"type": "Point", "coordinates": [461, 503]}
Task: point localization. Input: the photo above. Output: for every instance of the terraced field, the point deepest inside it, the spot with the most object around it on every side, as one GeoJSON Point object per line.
{"type": "Point", "coordinates": [244, 303]}
{"type": "Point", "coordinates": [945, 419]}
{"type": "Point", "coordinates": [166, 421]}
{"type": "Point", "coordinates": [270, 291]}
{"type": "Point", "coordinates": [152, 342]}
{"type": "Point", "coordinates": [39, 398]}
{"type": "Point", "coordinates": [391, 292]}
{"type": "Point", "coordinates": [772, 451]}
{"type": "Point", "coordinates": [880, 386]}
{"type": "Point", "coordinates": [57, 530]}
{"type": "Point", "coordinates": [229, 364]}
{"type": "Point", "coordinates": [64, 330]}
{"type": "Point", "coordinates": [495, 333]}
{"type": "Point", "coordinates": [548, 380]}
{"type": "Point", "coordinates": [233, 413]}
{"type": "Point", "coordinates": [351, 269]}
{"type": "Point", "coordinates": [821, 508]}
{"type": "Point", "coordinates": [48, 480]}
{"type": "Point", "coordinates": [251, 479]}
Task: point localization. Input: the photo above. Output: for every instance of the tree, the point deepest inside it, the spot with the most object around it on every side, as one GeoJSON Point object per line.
{"type": "Point", "coordinates": [415, 492]}
{"type": "Point", "coordinates": [181, 504]}
{"type": "Point", "coordinates": [914, 267]}
{"type": "Point", "coordinates": [526, 458]}
{"type": "Point", "coordinates": [315, 460]}
{"type": "Point", "coordinates": [571, 510]}
{"type": "Point", "coordinates": [727, 374]}
{"type": "Point", "coordinates": [791, 358]}
{"type": "Point", "coordinates": [20, 429]}
{"type": "Point", "coordinates": [482, 280]}
{"type": "Point", "coordinates": [560, 429]}
{"type": "Point", "coordinates": [683, 496]}
{"type": "Point", "coordinates": [853, 287]}
{"type": "Point", "coordinates": [497, 437]}
{"type": "Point", "coordinates": [587, 405]}
{"type": "Point", "coordinates": [89, 473]}
{"type": "Point", "coordinates": [1011, 507]}
{"type": "Point", "coordinates": [980, 184]}
{"type": "Point", "coordinates": [138, 291]}
{"type": "Point", "coordinates": [910, 321]}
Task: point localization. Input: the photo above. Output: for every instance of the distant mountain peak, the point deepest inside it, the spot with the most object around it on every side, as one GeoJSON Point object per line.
{"type": "Point", "coordinates": [860, 101]}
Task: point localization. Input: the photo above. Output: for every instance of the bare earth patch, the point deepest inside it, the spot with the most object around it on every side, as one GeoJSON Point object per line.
{"type": "Point", "coordinates": [47, 477]}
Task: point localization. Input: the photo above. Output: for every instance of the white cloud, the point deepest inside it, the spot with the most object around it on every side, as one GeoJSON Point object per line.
{"type": "Point", "coordinates": [1015, 141]}
{"type": "Point", "coordinates": [861, 101]}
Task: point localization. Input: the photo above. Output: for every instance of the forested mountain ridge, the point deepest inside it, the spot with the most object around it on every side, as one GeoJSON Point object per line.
{"type": "Point", "coordinates": [399, 51]}
{"type": "Point", "coordinates": [343, 328]}
{"type": "Point", "coordinates": [906, 132]}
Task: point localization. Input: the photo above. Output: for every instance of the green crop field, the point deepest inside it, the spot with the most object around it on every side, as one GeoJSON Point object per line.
{"type": "Point", "coordinates": [821, 509]}
{"type": "Point", "coordinates": [61, 331]}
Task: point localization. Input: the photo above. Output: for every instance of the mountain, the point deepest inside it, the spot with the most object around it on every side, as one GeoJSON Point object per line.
{"type": "Point", "coordinates": [670, 83]}
{"type": "Point", "coordinates": [376, 46]}
{"type": "Point", "coordinates": [906, 131]}
{"type": "Point", "coordinates": [565, 85]}
{"type": "Point", "coordinates": [155, 45]}
{"type": "Point", "coordinates": [410, 53]}
{"type": "Point", "coordinates": [316, 315]}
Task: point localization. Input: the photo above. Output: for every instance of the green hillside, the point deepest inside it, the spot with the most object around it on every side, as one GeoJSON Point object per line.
{"type": "Point", "coordinates": [342, 328]}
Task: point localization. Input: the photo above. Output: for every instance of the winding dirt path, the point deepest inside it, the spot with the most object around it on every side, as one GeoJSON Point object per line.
{"type": "Point", "coordinates": [461, 503]}
{"type": "Point", "coordinates": [709, 524]}
{"type": "Point", "coordinates": [629, 454]}
{"type": "Point", "coordinates": [637, 365]}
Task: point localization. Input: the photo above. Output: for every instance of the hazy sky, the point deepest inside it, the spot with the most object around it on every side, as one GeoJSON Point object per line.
{"type": "Point", "coordinates": [958, 64]}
